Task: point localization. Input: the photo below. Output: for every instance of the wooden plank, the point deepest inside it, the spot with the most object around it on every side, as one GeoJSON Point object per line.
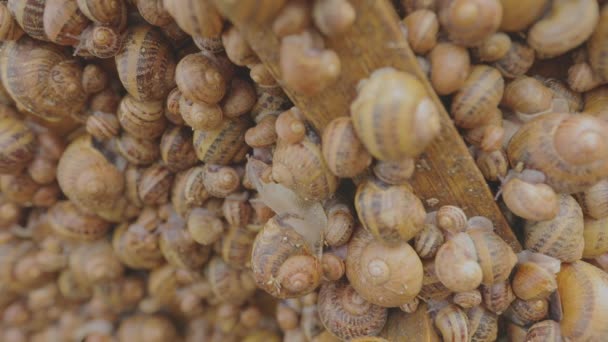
{"type": "Point", "coordinates": [446, 173]}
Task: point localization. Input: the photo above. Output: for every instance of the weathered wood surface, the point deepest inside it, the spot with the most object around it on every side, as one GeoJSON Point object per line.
{"type": "Point", "coordinates": [445, 173]}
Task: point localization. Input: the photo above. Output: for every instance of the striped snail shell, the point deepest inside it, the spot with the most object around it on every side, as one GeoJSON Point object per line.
{"type": "Point", "coordinates": [105, 12]}
{"type": "Point", "coordinates": [229, 284]}
{"type": "Point", "coordinates": [42, 78]}
{"type": "Point", "coordinates": [224, 143]}
{"type": "Point", "coordinates": [178, 247]}
{"type": "Point", "coordinates": [176, 149]}
{"type": "Point", "coordinates": [17, 145]}
{"type": "Point", "coordinates": [69, 222]}
{"type": "Point", "coordinates": [9, 28]}
{"type": "Point", "coordinates": [63, 21]}
{"type": "Point", "coordinates": [29, 15]}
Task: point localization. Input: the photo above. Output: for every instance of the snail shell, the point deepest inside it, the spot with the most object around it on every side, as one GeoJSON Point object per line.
{"type": "Point", "coordinates": [597, 46]}
{"type": "Point", "coordinates": [562, 91]}
{"type": "Point", "coordinates": [178, 247]}
{"type": "Point", "coordinates": [204, 227]}
{"type": "Point", "coordinates": [172, 107]}
{"type": "Point", "coordinates": [517, 16]}
{"type": "Point", "coordinates": [493, 48]}
{"type": "Point", "coordinates": [282, 262]}
{"type": "Point", "coordinates": [223, 144]}
{"type": "Point", "coordinates": [533, 281]}
{"type": "Point", "coordinates": [94, 79]}
{"type": "Point", "coordinates": [290, 126]}
{"type": "Point", "coordinates": [453, 323]}
{"type": "Point", "coordinates": [19, 189]}
{"type": "Point", "coordinates": [293, 18]}
{"type": "Point", "coordinates": [450, 67]}
{"type": "Point", "coordinates": [238, 49]}
{"type": "Point", "coordinates": [105, 12]}
{"type": "Point", "coordinates": [236, 246]}
{"type": "Point", "coordinates": [237, 210]}
{"type": "Point", "coordinates": [468, 299]}
{"type": "Point", "coordinates": [526, 95]}
{"type": "Point", "coordinates": [195, 192]}
{"type": "Point", "coordinates": [333, 17]}
{"type": "Point", "coordinates": [151, 328]}
{"type": "Point", "coordinates": [263, 134]}
{"type": "Point", "coordinates": [63, 21]}
{"type": "Point", "coordinates": [596, 237]}
{"type": "Point", "coordinates": [578, 303]}
{"type": "Point", "coordinates": [68, 221]}
{"type": "Point", "coordinates": [137, 151]}
{"type": "Point", "coordinates": [382, 110]}
{"type": "Point", "coordinates": [483, 324]}
{"type": "Point", "coordinates": [495, 256]}
{"type": "Point", "coordinates": [87, 177]}
{"type": "Point", "coordinates": [536, 202]}
{"type": "Point", "coordinates": [95, 263]}
{"type": "Point", "coordinates": [301, 168]}
{"type": "Point", "coordinates": [387, 276]}
{"type": "Point", "coordinates": [422, 27]}
{"type": "Point", "coordinates": [428, 241]}
{"type": "Point", "coordinates": [213, 45]}
{"type": "Point", "coordinates": [333, 267]}
{"type": "Point", "coordinates": [517, 61]}
{"type": "Point", "coordinates": [456, 264]}
{"type": "Point", "coordinates": [392, 213]}
{"type": "Point", "coordinates": [18, 145]}
{"type": "Point", "coordinates": [525, 312]}
{"type": "Point", "coordinates": [220, 181]}
{"type": "Point", "coordinates": [176, 149]}
{"type": "Point", "coordinates": [229, 284]}
{"type": "Point", "coordinates": [432, 288]}
{"type": "Point", "coordinates": [340, 224]}
{"type": "Point", "coordinates": [497, 297]}
{"type": "Point", "coordinates": [570, 150]}
{"type": "Point", "coordinates": [42, 79]}
{"type": "Point", "coordinates": [344, 153]}
{"type": "Point", "coordinates": [493, 165]}
{"type": "Point", "coordinates": [142, 119]}
{"type": "Point", "coordinates": [544, 331]}
{"type": "Point", "coordinates": [132, 177]}
{"type": "Point", "coordinates": [154, 12]}
{"type": "Point", "coordinates": [154, 185]}
{"type": "Point", "coordinates": [561, 237]}
{"type": "Point", "coordinates": [136, 245]}
{"type": "Point", "coordinates": [347, 315]}
{"type": "Point", "coordinates": [239, 98]}
{"type": "Point", "coordinates": [9, 28]}
{"type": "Point", "coordinates": [200, 79]}
{"type": "Point", "coordinates": [29, 15]}
{"type": "Point", "coordinates": [145, 64]}
{"type": "Point", "coordinates": [480, 93]}
{"type": "Point", "coordinates": [395, 172]}
{"type": "Point", "coordinates": [198, 18]}
{"type": "Point", "coordinates": [452, 219]}
{"type": "Point", "coordinates": [469, 22]}
{"type": "Point", "coordinates": [594, 200]}
{"type": "Point", "coordinates": [560, 31]}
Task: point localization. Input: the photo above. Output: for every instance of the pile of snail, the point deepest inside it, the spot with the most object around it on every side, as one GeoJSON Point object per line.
{"type": "Point", "coordinates": [156, 183]}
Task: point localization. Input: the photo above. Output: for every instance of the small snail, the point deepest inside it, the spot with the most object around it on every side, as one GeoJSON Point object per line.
{"type": "Point", "coordinates": [18, 145]}
{"type": "Point", "coordinates": [154, 184]}
{"type": "Point", "coordinates": [222, 144]}
{"type": "Point", "coordinates": [453, 324]}
{"type": "Point", "coordinates": [229, 284]}
{"type": "Point", "coordinates": [29, 14]}
{"type": "Point", "coordinates": [220, 181]}
{"type": "Point", "coordinates": [347, 315]}
{"type": "Point", "coordinates": [204, 227]}
{"type": "Point", "coordinates": [388, 276]}
{"type": "Point", "coordinates": [68, 221]}
{"type": "Point", "coordinates": [517, 16]}
{"type": "Point", "coordinates": [176, 149]}
{"type": "Point", "coordinates": [483, 324]}
{"type": "Point", "coordinates": [294, 17]}
{"type": "Point", "coordinates": [594, 200]}
{"type": "Point", "coordinates": [95, 263]}
{"type": "Point", "coordinates": [594, 234]}
{"type": "Point", "coordinates": [178, 247]}
{"type": "Point", "coordinates": [428, 240]}
{"type": "Point", "coordinates": [481, 92]}
{"type": "Point", "coordinates": [340, 224]}
{"type": "Point", "coordinates": [469, 22]}
{"type": "Point", "coordinates": [517, 61]}
{"type": "Point", "coordinates": [197, 18]}
{"type": "Point", "coordinates": [467, 299]}
{"type": "Point", "coordinates": [416, 114]}
{"type": "Point", "coordinates": [290, 126]}
{"type": "Point", "coordinates": [142, 119]}
{"type": "Point", "coordinates": [497, 297]}
{"type": "Point", "coordinates": [200, 80]}
{"type": "Point", "coordinates": [535, 276]}
{"type": "Point", "coordinates": [344, 153]}
{"type": "Point", "coordinates": [456, 264]}
{"type": "Point", "coordinates": [237, 244]}
{"type": "Point", "coordinates": [103, 12]}
{"type": "Point", "coordinates": [136, 244]}
{"type": "Point", "coordinates": [152, 328]}
{"type": "Point", "coordinates": [392, 213]}
{"type": "Point", "coordinates": [493, 48]}
{"type": "Point", "coordinates": [263, 134]}
{"type": "Point", "coordinates": [333, 17]}
{"type": "Point", "coordinates": [9, 28]}
{"type": "Point", "coordinates": [532, 201]}
{"type": "Point", "coordinates": [525, 312]}
{"type": "Point", "coordinates": [450, 67]}
{"type": "Point", "coordinates": [422, 27]}
{"type": "Point", "coordinates": [544, 331]}
{"type": "Point", "coordinates": [239, 99]}
{"type": "Point", "coordinates": [137, 151]}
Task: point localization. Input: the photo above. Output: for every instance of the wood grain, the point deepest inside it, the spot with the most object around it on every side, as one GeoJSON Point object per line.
{"type": "Point", "coordinates": [446, 173]}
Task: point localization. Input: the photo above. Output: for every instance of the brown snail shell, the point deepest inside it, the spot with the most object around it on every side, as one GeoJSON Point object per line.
{"type": "Point", "coordinates": [387, 221]}
{"type": "Point", "coordinates": [456, 264]}
{"type": "Point", "coordinates": [452, 219]}
{"type": "Point", "coordinates": [94, 79]}
{"type": "Point", "coordinates": [172, 110]}
{"type": "Point", "coordinates": [373, 111]}
{"type": "Point", "coordinates": [333, 17]}
{"type": "Point", "coordinates": [428, 241]}
{"type": "Point", "coordinates": [176, 149]}
{"type": "Point", "coordinates": [95, 263]}
{"type": "Point", "coordinates": [517, 16]}
{"type": "Point", "coordinates": [469, 23]}
{"type": "Point", "coordinates": [422, 27]}
{"type": "Point", "coordinates": [536, 202]}
{"type": "Point", "coordinates": [301, 168]}
{"type": "Point", "coordinates": [63, 21]}
{"type": "Point", "coordinates": [212, 45]}
{"type": "Point", "coordinates": [333, 267]}
{"type": "Point", "coordinates": [204, 227]}
{"type": "Point", "coordinates": [42, 78]}
{"type": "Point", "coordinates": [142, 327]}
{"type": "Point", "coordinates": [142, 119]}
{"type": "Point", "coordinates": [495, 256]}
{"type": "Point", "coordinates": [18, 144]}
{"type": "Point", "coordinates": [394, 172]}
{"type": "Point", "coordinates": [284, 269]}
{"type": "Point", "coordinates": [346, 314]}
{"type": "Point", "coordinates": [544, 331]}
{"type": "Point", "coordinates": [103, 12]}
{"type": "Point", "coordinates": [577, 303]}
{"type": "Point", "coordinates": [145, 64]}
{"type": "Point", "coordinates": [450, 67]}
{"type": "Point", "coordinates": [88, 178]}
{"type": "Point", "coordinates": [68, 221]}
{"type": "Point", "coordinates": [236, 246]}
{"type": "Point", "coordinates": [595, 237]}
{"type": "Point", "coordinates": [453, 323]}
{"type": "Point", "coordinates": [533, 281]}
{"type": "Point", "coordinates": [19, 188]}
{"type": "Point", "coordinates": [132, 177]}
{"type": "Point", "coordinates": [195, 192]}
{"type": "Point", "coordinates": [106, 101]}
{"type": "Point", "coordinates": [483, 324]}
{"type": "Point", "coordinates": [239, 98]}
{"type": "Point", "coordinates": [137, 151]}
{"type": "Point", "coordinates": [220, 181]}
{"type": "Point", "coordinates": [497, 297]}
{"type": "Point", "coordinates": [561, 91]}
{"type": "Point", "coordinates": [387, 276]}
{"type": "Point", "coordinates": [596, 45]}
{"type": "Point", "coordinates": [178, 247]}
{"type": "Point", "coordinates": [154, 185]}
{"type": "Point", "coordinates": [517, 61]}
{"type": "Point", "coordinates": [480, 93]}
{"type": "Point", "coordinates": [200, 79]}
{"type": "Point", "coordinates": [263, 134]}
{"type": "Point", "coordinates": [566, 240]}
{"type": "Point", "coordinates": [340, 224]}
{"type": "Point", "coordinates": [527, 95]}
{"type": "Point", "coordinates": [594, 200]}
{"type": "Point", "coordinates": [525, 312]}
{"type": "Point", "coordinates": [223, 144]}
{"type": "Point", "coordinates": [197, 18]}
{"type": "Point", "coordinates": [344, 153]}
{"type": "Point", "coordinates": [136, 245]}
{"type": "Point", "coordinates": [229, 284]}
{"type": "Point", "coordinates": [9, 28]}
{"type": "Point", "coordinates": [29, 15]}
{"type": "Point", "coordinates": [154, 12]}
{"type": "Point", "coordinates": [237, 210]}
{"type": "Point", "coordinates": [290, 126]}
{"type": "Point", "coordinates": [493, 165]}
{"type": "Point", "coordinates": [493, 48]}
{"type": "Point", "coordinates": [569, 149]}
{"type": "Point", "coordinates": [467, 299]}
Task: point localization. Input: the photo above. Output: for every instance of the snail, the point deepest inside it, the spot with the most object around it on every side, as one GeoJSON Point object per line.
{"type": "Point", "coordinates": [229, 284]}
{"type": "Point", "coordinates": [306, 67]}
{"type": "Point", "coordinates": [416, 115]}
{"type": "Point", "coordinates": [387, 276]}
{"type": "Point", "coordinates": [594, 235]}
{"type": "Point", "coordinates": [95, 263]}
{"type": "Point", "coordinates": [493, 165]}
{"type": "Point", "coordinates": [197, 18]}
{"type": "Point", "coordinates": [137, 151]}
{"type": "Point", "coordinates": [594, 200]}
{"type": "Point", "coordinates": [237, 244]}
{"type": "Point", "coordinates": [237, 210]}
{"type": "Point", "coordinates": [517, 61]}
{"type": "Point", "coordinates": [154, 184]}
{"type": "Point", "coordinates": [178, 247]}
{"type": "Point", "coordinates": [69, 222]}
{"type": "Point", "coordinates": [568, 149]}
{"type": "Point", "coordinates": [220, 181]}
{"type": "Point", "coordinates": [239, 99]}
{"type": "Point", "coordinates": [103, 12]}
{"type": "Point", "coordinates": [428, 240]}
{"type": "Point", "coordinates": [452, 323]}
{"type": "Point", "coordinates": [290, 126]}
{"type": "Point", "coordinates": [525, 312]}
{"type": "Point", "coordinates": [535, 276]}
{"type": "Point", "coordinates": [9, 28]}
{"type": "Point", "coordinates": [145, 64]}
{"type": "Point", "coordinates": [293, 18]}
{"type": "Point", "coordinates": [176, 149]}
{"type": "Point", "coordinates": [450, 67]}
{"type": "Point", "coordinates": [136, 244]}
{"type": "Point", "coordinates": [467, 299]}
{"type": "Point", "coordinates": [103, 126]}
{"type": "Point", "coordinates": [200, 80]}
{"type": "Point", "coordinates": [333, 17]}
{"type": "Point", "coordinates": [301, 168]}
{"type": "Point", "coordinates": [422, 27]}
{"type": "Point", "coordinates": [527, 97]}
{"type": "Point", "coordinates": [223, 144]}
{"type": "Point", "coordinates": [42, 79]}
{"type": "Point", "coordinates": [483, 324]}
{"type": "Point", "coordinates": [18, 143]}
{"type": "Point", "coordinates": [392, 213]}
{"type": "Point", "coordinates": [493, 48]}
{"type": "Point", "coordinates": [547, 330]}
{"type": "Point", "coordinates": [497, 297]}
{"type": "Point", "coordinates": [263, 134]}
{"type": "Point", "coordinates": [340, 223]}
{"type": "Point", "coordinates": [344, 153]}
{"type": "Point", "coordinates": [204, 227]}
{"type": "Point", "coordinates": [346, 315]}
{"type": "Point", "coordinates": [456, 264]}
{"type": "Point", "coordinates": [141, 119]}
{"type": "Point", "coordinates": [560, 32]}
{"type": "Point", "coordinates": [282, 261]}
{"type": "Point", "coordinates": [566, 231]}
{"type": "Point", "coordinates": [527, 198]}
{"type": "Point", "coordinates": [28, 14]}
{"type": "Point", "coordinates": [481, 92]}
{"type": "Point", "coordinates": [469, 22]}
